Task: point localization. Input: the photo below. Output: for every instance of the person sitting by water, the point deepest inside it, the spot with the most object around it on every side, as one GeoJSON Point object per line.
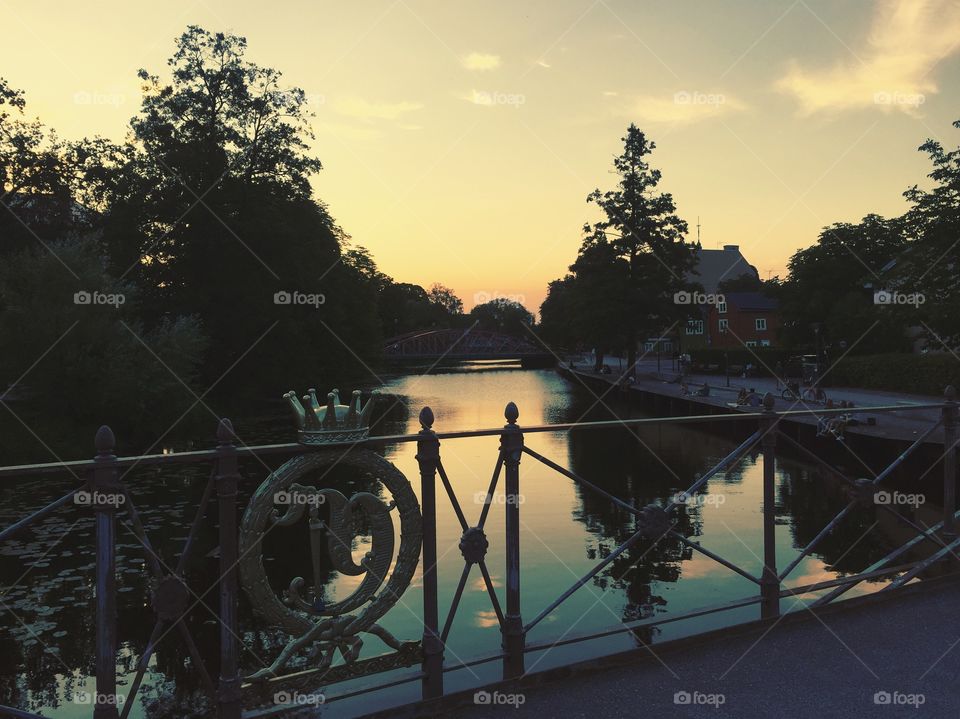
{"type": "Point", "coordinates": [683, 388]}
{"type": "Point", "coordinates": [833, 426]}
{"type": "Point", "coordinates": [753, 399]}
{"type": "Point", "coordinates": [837, 425]}
{"type": "Point", "coordinates": [704, 391]}
{"type": "Point", "coordinates": [742, 396]}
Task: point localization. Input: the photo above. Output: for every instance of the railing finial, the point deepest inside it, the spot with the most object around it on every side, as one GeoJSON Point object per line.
{"type": "Point", "coordinates": [225, 433]}
{"type": "Point", "coordinates": [511, 413]}
{"type": "Point", "coordinates": [426, 418]}
{"type": "Point", "coordinates": [950, 393]}
{"type": "Point", "coordinates": [105, 441]}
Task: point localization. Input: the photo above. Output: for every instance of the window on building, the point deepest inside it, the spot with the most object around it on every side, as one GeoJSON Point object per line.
{"type": "Point", "coordinates": [761, 323]}
{"type": "Point", "coordinates": [648, 346]}
{"type": "Point", "coordinates": [722, 307]}
{"type": "Point", "coordinates": [751, 343]}
{"type": "Point", "coordinates": [724, 324]}
{"type": "Point", "coordinates": [764, 343]}
{"type": "Point", "coordinates": [694, 327]}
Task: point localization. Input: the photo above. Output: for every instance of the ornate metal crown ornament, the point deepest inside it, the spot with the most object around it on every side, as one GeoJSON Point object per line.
{"type": "Point", "coordinates": [334, 423]}
{"type": "Point", "coordinates": [318, 622]}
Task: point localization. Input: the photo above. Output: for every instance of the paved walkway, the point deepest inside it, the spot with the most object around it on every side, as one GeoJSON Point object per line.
{"type": "Point", "coordinates": [842, 664]}
{"type": "Point", "coordinates": [667, 371]}
{"type": "Point", "coordinates": [900, 425]}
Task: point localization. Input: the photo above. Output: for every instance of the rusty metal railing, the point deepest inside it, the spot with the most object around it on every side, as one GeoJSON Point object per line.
{"type": "Point", "coordinates": [654, 522]}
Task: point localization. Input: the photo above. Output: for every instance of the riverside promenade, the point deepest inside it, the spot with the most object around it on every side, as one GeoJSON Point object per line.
{"type": "Point", "coordinates": [663, 386]}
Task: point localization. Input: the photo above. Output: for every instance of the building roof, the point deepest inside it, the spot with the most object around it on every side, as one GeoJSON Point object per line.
{"type": "Point", "coordinates": [715, 266]}
{"type": "Point", "coordinates": [750, 301]}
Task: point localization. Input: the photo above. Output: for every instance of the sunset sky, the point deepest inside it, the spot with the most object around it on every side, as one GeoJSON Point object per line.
{"type": "Point", "coordinates": [460, 139]}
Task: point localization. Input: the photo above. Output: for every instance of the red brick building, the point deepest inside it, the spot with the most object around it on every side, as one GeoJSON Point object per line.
{"type": "Point", "coordinates": [745, 318]}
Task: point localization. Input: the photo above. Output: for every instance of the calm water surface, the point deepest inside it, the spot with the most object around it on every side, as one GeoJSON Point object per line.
{"type": "Point", "coordinates": [47, 638]}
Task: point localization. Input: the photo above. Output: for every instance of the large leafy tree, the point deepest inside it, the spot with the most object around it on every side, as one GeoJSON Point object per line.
{"type": "Point", "coordinates": [831, 284]}
{"type": "Point", "coordinates": [403, 307]}
{"type": "Point", "coordinates": [586, 309]}
{"type": "Point", "coordinates": [406, 307]}
{"type": "Point", "coordinates": [81, 365]}
{"type": "Point", "coordinates": [446, 298]}
{"type": "Point", "coordinates": [502, 315]}
{"type": "Point", "coordinates": [215, 215]}
{"type": "Point", "coordinates": [632, 261]}
{"type": "Point", "coordinates": [932, 261]}
{"type": "Point", "coordinates": [35, 194]}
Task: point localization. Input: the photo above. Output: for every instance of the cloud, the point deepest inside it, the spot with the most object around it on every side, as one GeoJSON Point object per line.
{"type": "Point", "coordinates": [684, 107]}
{"type": "Point", "coordinates": [543, 63]}
{"type": "Point", "coordinates": [486, 619]}
{"type": "Point", "coordinates": [907, 39]}
{"type": "Point", "coordinates": [480, 61]}
{"type": "Point", "coordinates": [367, 111]}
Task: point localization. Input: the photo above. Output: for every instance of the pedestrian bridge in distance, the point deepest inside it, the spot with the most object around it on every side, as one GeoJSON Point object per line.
{"type": "Point", "coordinates": [466, 344]}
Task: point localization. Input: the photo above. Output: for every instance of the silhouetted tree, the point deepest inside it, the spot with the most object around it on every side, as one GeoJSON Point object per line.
{"type": "Point", "coordinates": [405, 307]}
{"type": "Point", "coordinates": [445, 298]}
{"type": "Point", "coordinates": [215, 216]}
{"type": "Point", "coordinates": [932, 260]}
{"type": "Point", "coordinates": [832, 283]}
{"type": "Point", "coordinates": [35, 180]}
{"type": "Point", "coordinates": [747, 282]}
{"type": "Point", "coordinates": [588, 307]}
{"type": "Point", "coordinates": [631, 262]}
{"type": "Point", "coordinates": [502, 315]}
{"type": "Point", "coordinates": [84, 362]}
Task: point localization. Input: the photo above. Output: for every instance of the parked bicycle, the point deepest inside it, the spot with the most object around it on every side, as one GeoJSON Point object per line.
{"type": "Point", "coordinates": [792, 393]}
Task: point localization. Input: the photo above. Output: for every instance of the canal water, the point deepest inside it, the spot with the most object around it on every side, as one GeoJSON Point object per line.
{"type": "Point", "coordinates": [47, 637]}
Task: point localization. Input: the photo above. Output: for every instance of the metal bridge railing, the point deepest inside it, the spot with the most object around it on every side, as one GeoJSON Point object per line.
{"type": "Point", "coordinates": [172, 598]}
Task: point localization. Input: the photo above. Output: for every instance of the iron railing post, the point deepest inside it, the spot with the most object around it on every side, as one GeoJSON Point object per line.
{"type": "Point", "coordinates": [950, 421]}
{"type": "Point", "coordinates": [104, 484]}
{"type": "Point", "coordinates": [428, 457]}
{"type": "Point", "coordinates": [511, 448]}
{"type": "Point", "coordinates": [769, 582]}
{"type": "Point", "coordinates": [228, 692]}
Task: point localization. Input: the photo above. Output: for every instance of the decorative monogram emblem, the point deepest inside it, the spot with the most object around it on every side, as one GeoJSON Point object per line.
{"type": "Point", "coordinates": [332, 525]}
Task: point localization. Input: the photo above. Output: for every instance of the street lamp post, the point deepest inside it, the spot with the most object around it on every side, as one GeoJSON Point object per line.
{"type": "Point", "coordinates": [817, 342]}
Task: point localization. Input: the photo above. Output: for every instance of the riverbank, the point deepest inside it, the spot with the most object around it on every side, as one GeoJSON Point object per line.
{"type": "Point", "coordinates": [660, 388]}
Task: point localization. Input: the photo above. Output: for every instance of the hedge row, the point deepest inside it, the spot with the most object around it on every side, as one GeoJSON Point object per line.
{"type": "Point", "coordinates": [761, 358]}
{"type": "Point", "coordinates": [918, 374]}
